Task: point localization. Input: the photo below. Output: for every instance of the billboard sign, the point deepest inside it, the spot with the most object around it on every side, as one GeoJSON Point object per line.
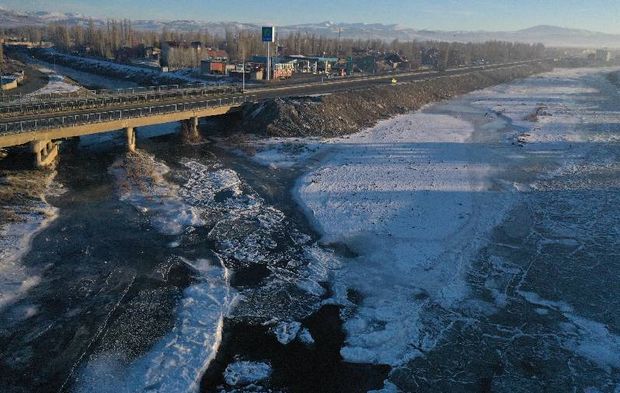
{"type": "Point", "coordinates": [269, 34]}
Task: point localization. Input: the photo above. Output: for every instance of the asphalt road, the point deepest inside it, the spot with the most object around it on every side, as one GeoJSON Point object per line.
{"type": "Point", "coordinates": [348, 84]}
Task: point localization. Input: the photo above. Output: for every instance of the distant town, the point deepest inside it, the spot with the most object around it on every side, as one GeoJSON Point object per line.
{"type": "Point", "coordinates": [242, 55]}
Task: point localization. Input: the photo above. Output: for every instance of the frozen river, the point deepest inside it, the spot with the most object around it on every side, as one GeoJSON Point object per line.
{"type": "Point", "coordinates": [486, 232]}
{"type": "Point", "coordinates": [472, 246]}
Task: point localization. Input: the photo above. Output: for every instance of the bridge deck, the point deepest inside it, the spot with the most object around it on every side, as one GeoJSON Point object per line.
{"type": "Point", "coordinates": [18, 133]}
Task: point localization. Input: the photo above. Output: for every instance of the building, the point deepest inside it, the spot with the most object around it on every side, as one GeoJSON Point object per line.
{"type": "Point", "coordinates": [603, 55]}
{"type": "Point", "coordinates": [252, 71]}
{"type": "Point", "coordinates": [215, 63]}
{"type": "Point", "coordinates": [283, 70]}
{"type": "Point", "coordinates": [212, 67]}
{"type": "Point", "coordinates": [302, 64]}
{"type": "Point", "coordinates": [196, 45]}
{"type": "Point", "coordinates": [218, 55]}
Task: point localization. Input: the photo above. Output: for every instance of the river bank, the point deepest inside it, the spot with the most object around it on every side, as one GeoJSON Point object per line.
{"type": "Point", "coordinates": [347, 112]}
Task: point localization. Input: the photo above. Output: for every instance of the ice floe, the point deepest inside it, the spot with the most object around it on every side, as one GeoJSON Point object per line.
{"type": "Point", "coordinates": [286, 332]}
{"type": "Point", "coordinates": [140, 181]}
{"type": "Point", "coordinates": [244, 373]}
{"type": "Point", "coordinates": [175, 363]}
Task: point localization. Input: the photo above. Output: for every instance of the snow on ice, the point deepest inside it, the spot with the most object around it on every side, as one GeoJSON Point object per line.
{"type": "Point", "coordinates": [416, 196]}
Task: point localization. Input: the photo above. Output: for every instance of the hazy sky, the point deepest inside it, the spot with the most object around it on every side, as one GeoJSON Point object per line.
{"type": "Point", "coordinates": [598, 15]}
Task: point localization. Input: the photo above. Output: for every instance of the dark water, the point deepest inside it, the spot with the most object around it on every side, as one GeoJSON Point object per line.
{"type": "Point", "coordinates": [112, 282]}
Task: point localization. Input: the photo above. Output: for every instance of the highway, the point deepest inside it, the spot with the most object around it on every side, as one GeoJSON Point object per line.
{"type": "Point", "coordinates": [33, 114]}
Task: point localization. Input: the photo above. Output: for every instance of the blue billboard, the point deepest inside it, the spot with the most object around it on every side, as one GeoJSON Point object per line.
{"type": "Point", "coordinates": [269, 34]}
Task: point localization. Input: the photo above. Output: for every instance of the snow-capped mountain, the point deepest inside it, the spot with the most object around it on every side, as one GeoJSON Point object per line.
{"type": "Point", "coordinates": [548, 35]}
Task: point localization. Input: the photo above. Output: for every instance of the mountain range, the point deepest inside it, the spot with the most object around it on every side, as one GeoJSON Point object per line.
{"type": "Point", "coordinates": [552, 36]}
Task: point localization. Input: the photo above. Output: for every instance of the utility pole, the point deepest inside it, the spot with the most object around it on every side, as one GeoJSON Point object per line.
{"type": "Point", "coordinates": [1, 65]}
{"type": "Point", "coordinates": [268, 60]}
{"type": "Point", "coordinates": [243, 76]}
{"type": "Point", "coordinates": [268, 36]}
{"type": "Point", "coordinates": [339, 35]}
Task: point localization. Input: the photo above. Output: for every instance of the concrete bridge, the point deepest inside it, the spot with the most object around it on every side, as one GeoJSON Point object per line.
{"type": "Point", "coordinates": [39, 122]}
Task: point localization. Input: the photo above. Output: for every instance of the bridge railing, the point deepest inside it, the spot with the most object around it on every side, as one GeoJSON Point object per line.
{"type": "Point", "coordinates": [15, 109]}
{"type": "Point", "coordinates": [12, 99]}
{"type": "Point", "coordinates": [101, 117]}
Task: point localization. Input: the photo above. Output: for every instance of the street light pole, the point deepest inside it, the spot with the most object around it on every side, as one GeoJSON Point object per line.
{"type": "Point", "coordinates": [268, 60]}
{"type": "Point", "coordinates": [243, 75]}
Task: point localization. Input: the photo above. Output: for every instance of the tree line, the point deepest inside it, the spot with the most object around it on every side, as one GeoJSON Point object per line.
{"type": "Point", "coordinates": [107, 39]}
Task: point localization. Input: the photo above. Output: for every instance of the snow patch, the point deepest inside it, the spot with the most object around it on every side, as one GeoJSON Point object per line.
{"type": "Point", "coordinates": [57, 84]}
{"type": "Point", "coordinates": [140, 181]}
{"type": "Point", "coordinates": [585, 337]}
{"type": "Point", "coordinates": [406, 195]}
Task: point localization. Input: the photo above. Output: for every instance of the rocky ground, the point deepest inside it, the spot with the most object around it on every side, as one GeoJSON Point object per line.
{"type": "Point", "coordinates": [20, 191]}
{"type": "Point", "coordinates": [348, 112]}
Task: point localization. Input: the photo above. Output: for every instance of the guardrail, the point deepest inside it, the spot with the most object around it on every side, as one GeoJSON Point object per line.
{"type": "Point", "coordinates": [101, 117]}
{"type": "Point", "coordinates": [102, 100]}
{"type": "Point", "coordinates": [11, 99]}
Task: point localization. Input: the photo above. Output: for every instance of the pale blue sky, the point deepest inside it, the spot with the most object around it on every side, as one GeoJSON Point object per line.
{"type": "Point", "coordinates": [597, 15]}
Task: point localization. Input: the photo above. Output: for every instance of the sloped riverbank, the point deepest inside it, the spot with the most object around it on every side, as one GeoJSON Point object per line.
{"type": "Point", "coordinates": [348, 112]}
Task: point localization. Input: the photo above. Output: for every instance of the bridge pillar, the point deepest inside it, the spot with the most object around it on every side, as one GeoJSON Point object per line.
{"type": "Point", "coordinates": [190, 130]}
{"type": "Point", "coordinates": [45, 152]}
{"type": "Point", "coordinates": [131, 139]}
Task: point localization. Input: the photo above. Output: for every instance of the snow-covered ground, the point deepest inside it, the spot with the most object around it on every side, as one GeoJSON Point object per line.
{"type": "Point", "coordinates": [57, 84]}
{"type": "Point", "coordinates": [132, 71]}
{"type": "Point", "coordinates": [417, 196]}
{"type": "Point", "coordinates": [85, 78]}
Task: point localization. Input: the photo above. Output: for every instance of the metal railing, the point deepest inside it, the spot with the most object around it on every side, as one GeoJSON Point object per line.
{"type": "Point", "coordinates": [11, 99]}
{"type": "Point", "coordinates": [101, 100]}
{"type": "Point", "coordinates": [114, 115]}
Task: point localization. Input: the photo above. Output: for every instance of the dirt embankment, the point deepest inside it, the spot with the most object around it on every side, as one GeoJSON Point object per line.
{"type": "Point", "coordinates": [348, 112]}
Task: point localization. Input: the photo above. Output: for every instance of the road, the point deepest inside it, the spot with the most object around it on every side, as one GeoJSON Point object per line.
{"type": "Point", "coordinates": [11, 114]}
